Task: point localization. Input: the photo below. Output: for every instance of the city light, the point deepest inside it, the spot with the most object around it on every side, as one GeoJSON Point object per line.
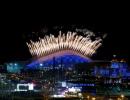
{"type": "Point", "coordinates": [71, 41]}
{"type": "Point", "coordinates": [30, 86]}
{"type": "Point", "coordinates": [15, 64]}
{"type": "Point", "coordinates": [41, 64]}
{"type": "Point", "coordinates": [88, 97]}
{"type": "Point", "coordinates": [64, 65]}
{"type": "Point", "coordinates": [25, 87]}
{"type": "Point", "coordinates": [122, 95]}
{"type": "Point", "coordinates": [93, 98]}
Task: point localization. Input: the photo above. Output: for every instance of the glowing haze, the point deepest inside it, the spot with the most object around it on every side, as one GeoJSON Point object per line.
{"type": "Point", "coordinates": [70, 41]}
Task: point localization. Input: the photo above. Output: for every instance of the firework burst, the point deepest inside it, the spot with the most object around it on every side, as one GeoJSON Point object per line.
{"type": "Point", "coordinates": [70, 41]}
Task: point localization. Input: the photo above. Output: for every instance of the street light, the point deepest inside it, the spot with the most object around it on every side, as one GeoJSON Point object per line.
{"type": "Point", "coordinates": [88, 97]}
{"type": "Point", "coordinates": [41, 64]}
{"type": "Point", "coordinates": [122, 96]}
{"type": "Point", "coordinates": [118, 98]}
{"type": "Point", "coordinates": [15, 64]}
{"type": "Point", "coordinates": [93, 98]}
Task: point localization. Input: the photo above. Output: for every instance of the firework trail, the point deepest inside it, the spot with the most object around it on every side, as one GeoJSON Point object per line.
{"type": "Point", "coordinates": [70, 41]}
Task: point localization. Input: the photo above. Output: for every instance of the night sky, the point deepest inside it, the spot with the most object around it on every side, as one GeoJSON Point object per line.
{"type": "Point", "coordinates": [13, 39]}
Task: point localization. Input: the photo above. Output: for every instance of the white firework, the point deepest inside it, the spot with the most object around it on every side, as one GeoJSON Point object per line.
{"type": "Point", "coordinates": [70, 41]}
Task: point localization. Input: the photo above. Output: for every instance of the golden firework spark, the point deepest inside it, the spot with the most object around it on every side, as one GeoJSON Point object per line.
{"type": "Point", "coordinates": [70, 41]}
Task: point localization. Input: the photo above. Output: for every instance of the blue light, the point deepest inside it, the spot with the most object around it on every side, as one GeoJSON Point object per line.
{"type": "Point", "coordinates": [64, 60]}
{"type": "Point", "coordinates": [15, 64]}
{"type": "Point", "coordinates": [80, 85]}
{"type": "Point", "coordinates": [14, 67]}
{"type": "Point", "coordinates": [11, 64]}
{"type": "Point", "coordinates": [41, 64]}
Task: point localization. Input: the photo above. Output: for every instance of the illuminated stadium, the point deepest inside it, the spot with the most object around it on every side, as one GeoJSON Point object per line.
{"type": "Point", "coordinates": [65, 50]}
